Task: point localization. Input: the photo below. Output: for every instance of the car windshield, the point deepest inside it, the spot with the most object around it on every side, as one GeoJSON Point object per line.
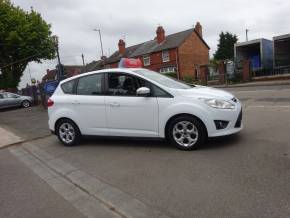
{"type": "Point", "coordinates": [162, 80]}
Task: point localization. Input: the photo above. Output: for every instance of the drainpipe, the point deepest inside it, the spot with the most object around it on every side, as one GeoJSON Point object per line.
{"type": "Point", "coordinates": [177, 64]}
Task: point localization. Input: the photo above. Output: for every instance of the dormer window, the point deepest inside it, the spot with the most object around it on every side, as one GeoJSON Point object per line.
{"type": "Point", "coordinates": [146, 60]}
{"type": "Point", "coordinates": [165, 56]}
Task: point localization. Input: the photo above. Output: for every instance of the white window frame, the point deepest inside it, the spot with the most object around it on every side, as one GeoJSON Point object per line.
{"type": "Point", "coordinates": [165, 56]}
{"type": "Point", "coordinates": [165, 70]}
{"type": "Point", "coordinates": [146, 60]}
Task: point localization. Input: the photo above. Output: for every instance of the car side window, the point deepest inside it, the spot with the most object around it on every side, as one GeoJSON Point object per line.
{"type": "Point", "coordinates": [122, 84]}
{"type": "Point", "coordinates": [1, 96]}
{"type": "Point", "coordinates": [9, 95]}
{"type": "Point", "coordinates": [158, 92]}
{"type": "Point", "coordinates": [68, 87]}
{"type": "Point", "coordinates": [90, 85]}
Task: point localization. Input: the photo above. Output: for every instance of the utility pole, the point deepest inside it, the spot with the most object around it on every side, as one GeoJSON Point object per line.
{"type": "Point", "coordinates": [100, 35]}
{"type": "Point", "coordinates": [83, 58]}
{"type": "Point", "coordinates": [247, 30]}
{"type": "Point", "coordinates": [60, 75]}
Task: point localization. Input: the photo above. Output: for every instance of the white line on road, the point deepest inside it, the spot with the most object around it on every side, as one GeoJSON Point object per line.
{"type": "Point", "coordinates": [263, 90]}
{"type": "Point", "coordinates": [269, 106]}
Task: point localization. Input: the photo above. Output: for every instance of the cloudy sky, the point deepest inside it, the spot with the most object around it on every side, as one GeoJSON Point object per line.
{"type": "Point", "coordinates": [136, 21]}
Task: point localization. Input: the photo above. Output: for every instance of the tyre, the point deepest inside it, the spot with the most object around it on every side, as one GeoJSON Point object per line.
{"type": "Point", "coordinates": [186, 133]}
{"type": "Point", "coordinates": [68, 132]}
{"type": "Point", "coordinates": [26, 104]}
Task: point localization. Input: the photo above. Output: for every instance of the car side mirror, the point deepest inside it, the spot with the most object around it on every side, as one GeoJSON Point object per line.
{"type": "Point", "coordinates": [143, 91]}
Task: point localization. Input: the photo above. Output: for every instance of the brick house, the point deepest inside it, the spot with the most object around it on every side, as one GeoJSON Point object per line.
{"type": "Point", "coordinates": [183, 52]}
{"type": "Point", "coordinates": [69, 71]}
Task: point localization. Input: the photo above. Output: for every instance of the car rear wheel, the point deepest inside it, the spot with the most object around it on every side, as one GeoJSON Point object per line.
{"type": "Point", "coordinates": [26, 104]}
{"type": "Point", "coordinates": [186, 133]}
{"type": "Point", "coordinates": [68, 133]}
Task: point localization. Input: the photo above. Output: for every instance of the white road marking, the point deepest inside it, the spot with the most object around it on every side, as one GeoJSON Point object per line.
{"type": "Point", "coordinates": [269, 106]}
{"type": "Point", "coordinates": [263, 90]}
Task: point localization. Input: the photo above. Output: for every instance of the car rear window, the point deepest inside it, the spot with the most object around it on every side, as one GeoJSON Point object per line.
{"type": "Point", "coordinates": [68, 87]}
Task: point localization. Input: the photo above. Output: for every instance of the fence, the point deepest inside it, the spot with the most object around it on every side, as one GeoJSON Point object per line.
{"type": "Point", "coordinates": [271, 72]}
{"type": "Point", "coordinates": [37, 93]}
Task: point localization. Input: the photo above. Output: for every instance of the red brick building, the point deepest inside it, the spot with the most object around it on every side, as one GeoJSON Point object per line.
{"type": "Point", "coordinates": [69, 71]}
{"type": "Point", "coordinates": [183, 52]}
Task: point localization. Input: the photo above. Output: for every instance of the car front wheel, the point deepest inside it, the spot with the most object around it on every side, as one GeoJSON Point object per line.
{"type": "Point", "coordinates": [186, 133]}
{"type": "Point", "coordinates": [68, 132]}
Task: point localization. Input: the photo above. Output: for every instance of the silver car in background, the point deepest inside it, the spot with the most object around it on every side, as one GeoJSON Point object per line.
{"type": "Point", "coordinates": [8, 99]}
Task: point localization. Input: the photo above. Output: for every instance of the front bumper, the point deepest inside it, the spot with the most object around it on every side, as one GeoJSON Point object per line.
{"type": "Point", "coordinates": [234, 126]}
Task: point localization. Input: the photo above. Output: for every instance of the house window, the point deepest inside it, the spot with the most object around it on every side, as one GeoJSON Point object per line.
{"type": "Point", "coordinates": [168, 70]}
{"type": "Point", "coordinates": [146, 60]}
{"type": "Point", "coordinates": [165, 56]}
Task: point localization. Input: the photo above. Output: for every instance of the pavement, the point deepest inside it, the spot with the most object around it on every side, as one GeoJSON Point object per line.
{"type": "Point", "coordinates": [256, 83]}
{"type": "Point", "coordinates": [23, 194]}
{"type": "Point", "coordinates": [8, 138]}
{"type": "Point", "coordinates": [244, 175]}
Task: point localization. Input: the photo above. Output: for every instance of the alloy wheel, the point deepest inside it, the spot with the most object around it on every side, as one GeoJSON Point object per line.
{"type": "Point", "coordinates": [26, 104]}
{"type": "Point", "coordinates": [66, 133]}
{"type": "Point", "coordinates": [185, 133]}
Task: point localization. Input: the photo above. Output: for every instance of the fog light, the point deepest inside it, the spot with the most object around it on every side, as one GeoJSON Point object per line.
{"type": "Point", "coordinates": [221, 124]}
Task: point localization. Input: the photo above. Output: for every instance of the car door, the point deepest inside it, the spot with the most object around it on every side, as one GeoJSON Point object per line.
{"type": "Point", "coordinates": [3, 101]}
{"type": "Point", "coordinates": [89, 104]}
{"type": "Point", "coordinates": [127, 113]}
{"type": "Point", "coordinates": [10, 100]}
{"type": "Point", "coordinates": [14, 100]}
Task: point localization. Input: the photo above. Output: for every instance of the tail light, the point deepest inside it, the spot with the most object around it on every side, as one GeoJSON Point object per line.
{"type": "Point", "coordinates": [49, 102]}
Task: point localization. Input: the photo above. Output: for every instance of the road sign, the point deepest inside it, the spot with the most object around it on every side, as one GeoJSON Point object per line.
{"type": "Point", "coordinates": [50, 86]}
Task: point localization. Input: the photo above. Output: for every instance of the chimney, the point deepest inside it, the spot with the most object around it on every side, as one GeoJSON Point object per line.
{"type": "Point", "coordinates": [198, 29]}
{"type": "Point", "coordinates": [122, 47]}
{"type": "Point", "coordinates": [160, 34]}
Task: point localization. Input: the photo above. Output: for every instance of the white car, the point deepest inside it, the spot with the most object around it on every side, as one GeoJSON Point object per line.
{"type": "Point", "coordinates": [138, 102]}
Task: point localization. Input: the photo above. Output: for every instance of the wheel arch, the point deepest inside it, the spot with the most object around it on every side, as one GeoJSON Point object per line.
{"type": "Point", "coordinates": [65, 118]}
{"type": "Point", "coordinates": [179, 115]}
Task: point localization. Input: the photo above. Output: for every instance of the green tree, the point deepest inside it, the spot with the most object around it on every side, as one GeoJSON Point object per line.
{"type": "Point", "coordinates": [24, 37]}
{"type": "Point", "coordinates": [225, 48]}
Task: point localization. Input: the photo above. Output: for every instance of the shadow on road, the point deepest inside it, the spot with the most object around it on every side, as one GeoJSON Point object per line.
{"type": "Point", "coordinates": [221, 142]}
{"type": "Point", "coordinates": [9, 109]}
{"type": "Point", "coordinates": [212, 143]}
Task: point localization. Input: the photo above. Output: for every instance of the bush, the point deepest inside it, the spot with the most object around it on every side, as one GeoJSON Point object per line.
{"type": "Point", "coordinates": [188, 79]}
{"type": "Point", "coordinates": [172, 74]}
{"type": "Point", "coordinates": [237, 78]}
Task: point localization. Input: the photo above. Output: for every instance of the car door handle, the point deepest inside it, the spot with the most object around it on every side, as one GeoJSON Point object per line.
{"type": "Point", "coordinates": [114, 104]}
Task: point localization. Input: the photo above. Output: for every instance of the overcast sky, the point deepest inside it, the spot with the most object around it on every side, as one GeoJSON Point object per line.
{"type": "Point", "coordinates": [136, 21]}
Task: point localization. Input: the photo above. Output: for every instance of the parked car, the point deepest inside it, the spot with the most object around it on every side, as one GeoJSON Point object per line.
{"type": "Point", "coordinates": [138, 102]}
{"type": "Point", "coordinates": [8, 99]}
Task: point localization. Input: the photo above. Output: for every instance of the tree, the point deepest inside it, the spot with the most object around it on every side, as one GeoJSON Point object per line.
{"type": "Point", "coordinates": [24, 37]}
{"type": "Point", "coordinates": [225, 48]}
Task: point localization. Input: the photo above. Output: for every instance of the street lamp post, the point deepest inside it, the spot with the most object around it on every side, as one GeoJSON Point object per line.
{"type": "Point", "coordinates": [100, 35]}
{"type": "Point", "coordinates": [247, 31]}
{"type": "Point", "coordinates": [60, 73]}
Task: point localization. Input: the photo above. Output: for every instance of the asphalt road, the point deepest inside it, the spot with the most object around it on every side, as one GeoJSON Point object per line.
{"type": "Point", "coordinates": [245, 175]}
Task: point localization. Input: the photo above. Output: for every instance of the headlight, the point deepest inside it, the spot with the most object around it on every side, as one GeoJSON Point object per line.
{"type": "Point", "coordinates": [218, 103]}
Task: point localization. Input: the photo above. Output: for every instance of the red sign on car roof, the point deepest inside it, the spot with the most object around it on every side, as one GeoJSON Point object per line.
{"type": "Point", "coordinates": [130, 63]}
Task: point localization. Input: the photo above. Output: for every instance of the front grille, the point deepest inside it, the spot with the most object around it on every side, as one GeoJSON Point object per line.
{"type": "Point", "coordinates": [239, 120]}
